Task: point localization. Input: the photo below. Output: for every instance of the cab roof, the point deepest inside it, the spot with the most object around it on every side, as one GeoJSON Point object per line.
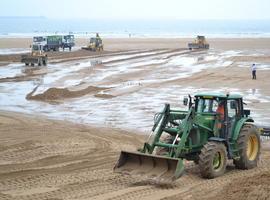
{"type": "Point", "coordinates": [219, 95]}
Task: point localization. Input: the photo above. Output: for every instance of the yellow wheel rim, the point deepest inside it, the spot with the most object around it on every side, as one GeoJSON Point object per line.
{"type": "Point", "coordinates": [218, 161]}
{"type": "Point", "coordinates": [252, 147]}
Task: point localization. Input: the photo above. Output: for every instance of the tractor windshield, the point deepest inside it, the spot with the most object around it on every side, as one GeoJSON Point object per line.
{"type": "Point", "coordinates": [35, 48]}
{"type": "Point", "coordinates": [39, 39]}
{"type": "Point", "coordinates": [206, 105]}
{"type": "Point", "coordinates": [92, 40]}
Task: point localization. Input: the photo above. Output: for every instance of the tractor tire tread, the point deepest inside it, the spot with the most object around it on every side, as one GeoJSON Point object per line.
{"type": "Point", "coordinates": [243, 163]}
{"type": "Point", "coordinates": [205, 161]}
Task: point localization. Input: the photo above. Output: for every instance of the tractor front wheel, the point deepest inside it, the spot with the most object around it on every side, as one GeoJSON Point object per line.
{"type": "Point", "coordinates": [249, 145]}
{"type": "Point", "coordinates": [213, 159]}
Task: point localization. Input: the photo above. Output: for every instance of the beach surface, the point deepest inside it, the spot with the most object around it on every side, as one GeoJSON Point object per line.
{"type": "Point", "coordinates": [148, 43]}
{"type": "Point", "coordinates": [63, 126]}
{"type": "Point", "coordinates": [51, 159]}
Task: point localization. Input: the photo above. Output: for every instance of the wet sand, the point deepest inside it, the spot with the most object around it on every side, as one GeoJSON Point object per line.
{"type": "Point", "coordinates": [107, 102]}
{"type": "Point", "coordinates": [127, 87]}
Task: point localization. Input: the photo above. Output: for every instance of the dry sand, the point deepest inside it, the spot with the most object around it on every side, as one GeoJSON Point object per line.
{"type": "Point", "coordinates": [49, 159]}
{"type": "Point", "coordinates": [55, 160]}
{"type": "Point", "coordinates": [112, 44]}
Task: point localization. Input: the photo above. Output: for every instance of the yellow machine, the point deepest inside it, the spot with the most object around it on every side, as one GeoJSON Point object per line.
{"type": "Point", "coordinates": [37, 56]}
{"type": "Point", "coordinates": [95, 44]}
{"type": "Point", "coordinates": [200, 43]}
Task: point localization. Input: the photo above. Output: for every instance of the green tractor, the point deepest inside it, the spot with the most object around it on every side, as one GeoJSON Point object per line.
{"type": "Point", "coordinates": [215, 128]}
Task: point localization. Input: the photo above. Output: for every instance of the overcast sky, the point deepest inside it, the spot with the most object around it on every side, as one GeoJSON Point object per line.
{"type": "Point", "coordinates": [138, 9]}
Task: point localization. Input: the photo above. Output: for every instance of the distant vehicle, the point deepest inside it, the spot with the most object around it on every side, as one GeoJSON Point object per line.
{"type": "Point", "coordinates": [68, 41]}
{"type": "Point", "coordinates": [200, 43]}
{"type": "Point", "coordinates": [37, 56]}
{"type": "Point", "coordinates": [55, 42]}
{"type": "Point", "coordinates": [95, 44]}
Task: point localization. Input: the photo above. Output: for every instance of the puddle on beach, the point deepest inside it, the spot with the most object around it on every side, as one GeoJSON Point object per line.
{"type": "Point", "coordinates": [7, 51]}
{"type": "Point", "coordinates": [260, 66]}
{"type": "Point", "coordinates": [139, 83]}
{"type": "Point", "coordinates": [14, 51]}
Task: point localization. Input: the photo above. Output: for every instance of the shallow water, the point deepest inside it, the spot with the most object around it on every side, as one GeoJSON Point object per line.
{"type": "Point", "coordinates": [6, 51]}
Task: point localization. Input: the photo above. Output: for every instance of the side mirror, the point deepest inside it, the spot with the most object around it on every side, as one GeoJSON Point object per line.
{"type": "Point", "coordinates": [232, 104]}
{"type": "Point", "coordinates": [185, 101]}
{"type": "Point", "coordinates": [246, 113]}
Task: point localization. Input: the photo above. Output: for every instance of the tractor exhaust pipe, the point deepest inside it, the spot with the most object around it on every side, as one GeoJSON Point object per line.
{"type": "Point", "coordinates": [149, 166]}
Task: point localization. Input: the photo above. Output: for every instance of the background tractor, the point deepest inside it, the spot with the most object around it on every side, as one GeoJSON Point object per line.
{"type": "Point", "coordinates": [200, 43]}
{"type": "Point", "coordinates": [215, 128]}
{"type": "Point", "coordinates": [95, 44]}
{"type": "Point", "coordinates": [37, 56]}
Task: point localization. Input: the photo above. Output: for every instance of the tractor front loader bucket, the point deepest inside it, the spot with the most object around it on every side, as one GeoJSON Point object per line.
{"type": "Point", "coordinates": [149, 166]}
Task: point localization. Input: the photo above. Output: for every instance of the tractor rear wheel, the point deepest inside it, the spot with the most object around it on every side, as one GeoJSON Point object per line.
{"type": "Point", "coordinates": [249, 145]}
{"type": "Point", "coordinates": [213, 159]}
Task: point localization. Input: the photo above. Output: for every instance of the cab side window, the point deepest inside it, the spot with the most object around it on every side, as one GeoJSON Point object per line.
{"type": "Point", "coordinates": [233, 108]}
{"type": "Point", "coordinates": [214, 106]}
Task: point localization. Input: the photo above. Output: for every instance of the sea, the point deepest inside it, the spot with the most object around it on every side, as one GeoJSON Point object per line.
{"type": "Point", "coordinates": [121, 28]}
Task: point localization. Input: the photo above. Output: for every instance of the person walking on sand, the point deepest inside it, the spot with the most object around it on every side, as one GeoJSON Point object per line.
{"type": "Point", "coordinates": [253, 69]}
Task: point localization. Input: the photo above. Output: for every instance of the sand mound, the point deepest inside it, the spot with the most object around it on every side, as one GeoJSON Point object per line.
{"type": "Point", "coordinates": [61, 93]}
{"type": "Point", "coordinates": [248, 188]}
{"type": "Point", "coordinates": [104, 96]}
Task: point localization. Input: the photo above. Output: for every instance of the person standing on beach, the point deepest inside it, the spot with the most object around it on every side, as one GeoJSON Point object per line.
{"type": "Point", "coordinates": [253, 69]}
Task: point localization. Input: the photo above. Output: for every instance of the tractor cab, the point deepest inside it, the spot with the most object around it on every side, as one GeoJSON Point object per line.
{"type": "Point", "coordinates": [37, 50]}
{"type": "Point", "coordinates": [219, 112]}
{"type": "Point", "coordinates": [95, 42]}
{"type": "Point", "coordinates": [200, 39]}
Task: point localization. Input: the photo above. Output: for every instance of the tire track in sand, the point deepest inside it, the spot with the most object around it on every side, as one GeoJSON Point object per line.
{"type": "Point", "coordinates": [83, 168]}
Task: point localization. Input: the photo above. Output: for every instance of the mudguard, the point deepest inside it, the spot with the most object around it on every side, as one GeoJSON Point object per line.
{"type": "Point", "coordinates": [238, 127]}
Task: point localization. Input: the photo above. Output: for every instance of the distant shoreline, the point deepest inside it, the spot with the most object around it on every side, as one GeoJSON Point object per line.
{"type": "Point", "coordinates": [139, 36]}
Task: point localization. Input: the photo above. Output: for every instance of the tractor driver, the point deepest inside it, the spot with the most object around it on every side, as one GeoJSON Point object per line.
{"type": "Point", "coordinates": [221, 112]}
